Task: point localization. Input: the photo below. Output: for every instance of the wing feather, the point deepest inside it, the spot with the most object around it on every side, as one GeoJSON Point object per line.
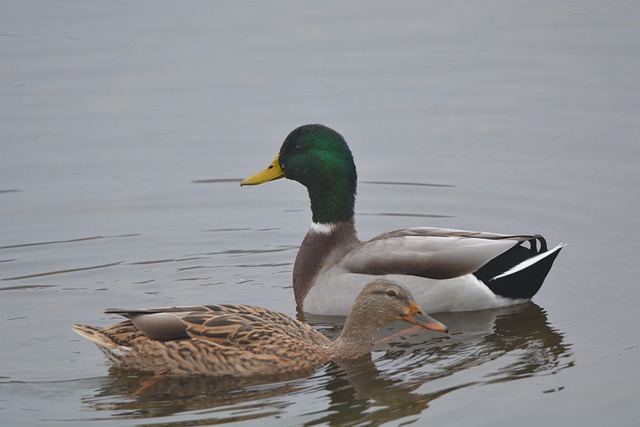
{"type": "Point", "coordinates": [429, 252]}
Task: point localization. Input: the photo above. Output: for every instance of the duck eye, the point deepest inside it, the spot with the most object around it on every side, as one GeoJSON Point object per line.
{"type": "Point", "coordinates": [297, 149]}
{"type": "Point", "coordinates": [392, 293]}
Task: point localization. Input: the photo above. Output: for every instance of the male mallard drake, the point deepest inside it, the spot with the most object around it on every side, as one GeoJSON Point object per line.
{"type": "Point", "coordinates": [454, 270]}
{"type": "Point", "coordinates": [240, 340]}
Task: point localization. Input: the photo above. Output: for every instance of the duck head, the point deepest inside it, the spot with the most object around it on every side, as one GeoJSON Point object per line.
{"type": "Point", "coordinates": [386, 301]}
{"type": "Point", "coordinates": [317, 157]}
{"type": "Point", "coordinates": [380, 302]}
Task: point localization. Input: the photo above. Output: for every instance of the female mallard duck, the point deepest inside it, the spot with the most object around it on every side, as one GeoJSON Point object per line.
{"type": "Point", "coordinates": [454, 270]}
{"type": "Point", "coordinates": [239, 340]}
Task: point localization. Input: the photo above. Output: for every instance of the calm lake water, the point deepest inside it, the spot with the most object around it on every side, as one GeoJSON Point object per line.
{"type": "Point", "coordinates": [126, 127]}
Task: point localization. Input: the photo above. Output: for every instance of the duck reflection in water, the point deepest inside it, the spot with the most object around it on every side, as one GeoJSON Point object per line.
{"type": "Point", "coordinates": [518, 338]}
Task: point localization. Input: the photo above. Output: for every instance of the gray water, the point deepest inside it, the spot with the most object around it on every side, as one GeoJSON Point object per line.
{"type": "Point", "coordinates": [125, 128]}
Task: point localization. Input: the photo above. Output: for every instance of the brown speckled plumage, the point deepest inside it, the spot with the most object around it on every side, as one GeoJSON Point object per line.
{"type": "Point", "coordinates": [240, 340]}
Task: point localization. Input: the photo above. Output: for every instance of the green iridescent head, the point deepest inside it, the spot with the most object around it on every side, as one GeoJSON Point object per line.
{"type": "Point", "coordinates": [317, 157]}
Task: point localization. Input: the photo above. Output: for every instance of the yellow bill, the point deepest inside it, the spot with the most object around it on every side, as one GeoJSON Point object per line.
{"type": "Point", "coordinates": [273, 171]}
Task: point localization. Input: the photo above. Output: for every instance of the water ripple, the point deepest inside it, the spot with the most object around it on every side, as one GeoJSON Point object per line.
{"type": "Point", "coordinates": [55, 242]}
{"type": "Point", "coordinates": [419, 184]}
{"type": "Point", "coordinates": [68, 270]}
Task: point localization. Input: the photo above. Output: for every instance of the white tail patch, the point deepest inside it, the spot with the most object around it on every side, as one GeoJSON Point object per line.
{"type": "Point", "coordinates": [531, 261]}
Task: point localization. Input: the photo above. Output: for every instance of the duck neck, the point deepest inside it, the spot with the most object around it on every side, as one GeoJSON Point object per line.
{"type": "Point", "coordinates": [333, 201]}
{"type": "Point", "coordinates": [323, 246]}
{"type": "Point", "coordinates": [355, 340]}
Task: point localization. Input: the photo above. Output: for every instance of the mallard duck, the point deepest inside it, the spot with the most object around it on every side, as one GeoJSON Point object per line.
{"type": "Point", "coordinates": [241, 340]}
{"type": "Point", "coordinates": [453, 270]}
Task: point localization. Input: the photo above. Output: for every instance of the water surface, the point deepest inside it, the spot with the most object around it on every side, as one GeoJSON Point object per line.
{"type": "Point", "coordinates": [127, 126]}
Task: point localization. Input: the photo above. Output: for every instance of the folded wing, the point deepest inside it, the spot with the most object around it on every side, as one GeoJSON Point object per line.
{"type": "Point", "coordinates": [431, 252]}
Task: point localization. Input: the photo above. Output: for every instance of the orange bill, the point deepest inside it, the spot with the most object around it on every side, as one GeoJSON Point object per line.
{"type": "Point", "coordinates": [418, 317]}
